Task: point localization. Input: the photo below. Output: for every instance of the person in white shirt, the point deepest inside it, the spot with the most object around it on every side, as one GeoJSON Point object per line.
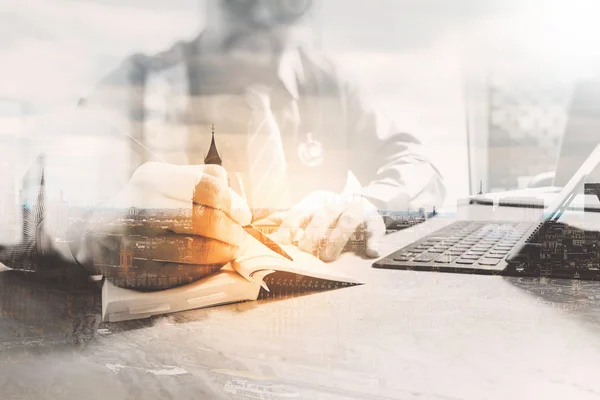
{"type": "Point", "coordinates": [291, 133]}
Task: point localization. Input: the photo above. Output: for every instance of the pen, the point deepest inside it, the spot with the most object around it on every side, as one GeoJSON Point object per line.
{"type": "Point", "coordinates": [267, 241]}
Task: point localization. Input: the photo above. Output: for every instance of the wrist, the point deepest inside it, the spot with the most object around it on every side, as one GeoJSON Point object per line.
{"type": "Point", "coordinates": [386, 197]}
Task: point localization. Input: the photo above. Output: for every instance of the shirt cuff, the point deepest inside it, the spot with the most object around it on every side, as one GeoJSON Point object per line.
{"type": "Point", "coordinates": [386, 197]}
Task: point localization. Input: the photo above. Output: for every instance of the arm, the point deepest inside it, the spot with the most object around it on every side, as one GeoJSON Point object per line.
{"type": "Point", "coordinates": [389, 165]}
{"type": "Point", "coordinates": [392, 167]}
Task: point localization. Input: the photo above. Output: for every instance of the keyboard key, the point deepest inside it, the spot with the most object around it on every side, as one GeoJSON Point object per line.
{"type": "Point", "coordinates": [489, 241]}
{"type": "Point", "coordinates": [411, 249]}
{"type": "Point", "coordinates": [497, 256]}
{"type": "Point", "coordinates": [480, 248]}
{"type": "Point", "coordinates": [445, 259]}
{"type": "Point", "coordinates": [471, 257]}
{"type": "Point", "coordinates": [465, 261]}
{"type": "Point", "coordinates": [488, 261]}
{"type": "Point", "coordinates": [425, 257]}
{"type": "Point", "coordinates": [422, 247]}
{"type": "Point", "coordinates": [435, 238]}
{"type": "Point", "coordinates": [462, 246]}
{"type": "Point", "coordinates": [476, 252]}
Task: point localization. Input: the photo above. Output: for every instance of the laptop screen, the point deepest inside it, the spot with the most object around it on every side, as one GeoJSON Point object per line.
{"type": "Point", "coordinates": [588, 171]}
{"type": "Point", "coordinates": [581, 133]}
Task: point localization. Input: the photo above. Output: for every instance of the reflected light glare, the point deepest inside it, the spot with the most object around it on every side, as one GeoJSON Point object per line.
{"type": "Point", "coordinates": [569, 31]}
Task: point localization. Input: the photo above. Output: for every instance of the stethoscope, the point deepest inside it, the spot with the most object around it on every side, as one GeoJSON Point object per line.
{"type": "Point", "coordinates": [310, 152]}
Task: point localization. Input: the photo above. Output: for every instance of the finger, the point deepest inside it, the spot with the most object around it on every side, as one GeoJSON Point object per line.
{"type": "Point", "coordinates": [344, 229]}
{"type": "Point", "coordinates": [317, 230]}
{"type": "Point", "coordinates": [261, 214]}
{"type": "Point", "coordinates": [213, 192]}
{"type": "Point", "coordinates": [216, 171]}
{"type": "Point", "coordinates": [168, 238]}
{"type": "Point", "coordinates": [206, 184]}
{"type": "Point", "coordinates": [278, 217]}
{"type": "Point", "coordinates": [281, 237]}
{"type": "Point", "coordinates": [273, 220]}
{"type": "Point", "coordinates": [207, 251]}
{"type": "Point", "coordinates": [297, 238]}
{"type": "Point", "coordinates": [105, 249]}
{"type": "Point", "coordinates": [286, 236]}
{"type": "Point", "coordinates": [375, 231]}
{"type": "Point", "coordinates": [295, 220]}
{"type": "Point", "coordinates": [216, 224]}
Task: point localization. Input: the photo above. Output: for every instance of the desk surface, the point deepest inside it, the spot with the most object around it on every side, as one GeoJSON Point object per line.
{"type": "Point", "coordinates": [403, 335]}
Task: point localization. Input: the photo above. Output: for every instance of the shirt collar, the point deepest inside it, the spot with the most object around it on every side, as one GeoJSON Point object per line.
{"type": "Point", "coordinates": [290, 71]}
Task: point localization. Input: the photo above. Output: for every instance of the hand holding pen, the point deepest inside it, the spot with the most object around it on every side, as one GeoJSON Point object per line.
{"type": "Point", "coordinates": [211, 235]}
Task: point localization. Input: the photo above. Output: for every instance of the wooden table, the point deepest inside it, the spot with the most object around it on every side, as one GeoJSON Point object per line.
{"type": "Point", "coordinates": [402, 335]}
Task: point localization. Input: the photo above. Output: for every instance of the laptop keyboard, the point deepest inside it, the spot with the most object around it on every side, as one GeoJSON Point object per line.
{"type": "Point", "coordinates": [460, 247]}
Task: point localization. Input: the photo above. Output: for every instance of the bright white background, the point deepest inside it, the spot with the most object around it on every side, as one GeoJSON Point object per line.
{"type": "Point", "coordinates": [411, 56]}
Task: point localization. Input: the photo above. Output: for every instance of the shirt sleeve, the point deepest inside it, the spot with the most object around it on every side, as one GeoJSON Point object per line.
{"type": "Point", "coordinates": [118, 102]}
{"type": "Point", "coordinates": [391, 165]}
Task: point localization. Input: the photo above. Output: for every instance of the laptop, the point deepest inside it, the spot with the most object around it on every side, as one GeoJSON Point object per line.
{"type": "Point", "coordinates": [536, 198]}
{"type": "Point", "coordinates": [509, 247]}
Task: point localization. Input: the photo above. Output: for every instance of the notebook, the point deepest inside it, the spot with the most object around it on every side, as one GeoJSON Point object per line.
{"type": "Point", "coordinates": [240, 280]}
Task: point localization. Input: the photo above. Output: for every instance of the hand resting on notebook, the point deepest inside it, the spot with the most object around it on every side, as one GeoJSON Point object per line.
{"type": "Point", "coordinates": [324, 222]}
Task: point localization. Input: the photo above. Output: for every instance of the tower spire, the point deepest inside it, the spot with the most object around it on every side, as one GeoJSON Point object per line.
{"type": "Point", "coordinates": [212, 157]}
